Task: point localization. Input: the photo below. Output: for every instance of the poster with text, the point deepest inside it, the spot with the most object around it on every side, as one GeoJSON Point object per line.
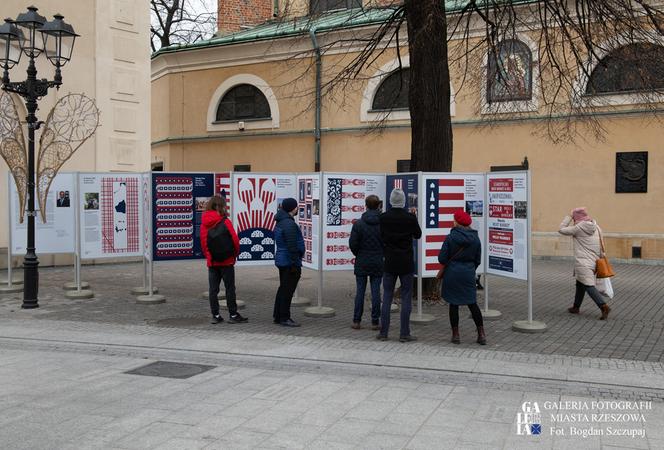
{"type": "Point", "coordinates": [179, 200]}
{"type": "Point", "coordinates": [308, 217]}
{"type": "Point", "coordinates": [443, 194]}
{"type": "Point", "coordinates": [408, 183]}
{"type": "Point", "coordinates": [343, 205]}
{"type": "Point", "coordinates": [507, 224]}
{"type": "Point", "coordinates": [255, 199]}
{"type": "Point", "coordinates": [58, 234]}
{"type": "Point", "coordinates": [111, 215]}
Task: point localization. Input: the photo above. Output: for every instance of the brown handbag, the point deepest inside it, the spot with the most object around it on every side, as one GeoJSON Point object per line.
{"type": "Point", "coordinates": [603, 268]}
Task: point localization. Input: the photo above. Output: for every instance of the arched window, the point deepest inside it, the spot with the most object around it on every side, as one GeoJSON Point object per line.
{"type": "Point", "coordinates": [510, 73]}
{"type": "Point", "coordinates": [393, 91]}
{"type": "Point", "coordinates": [632, 68]}
{"type": "Point", "coordinates": [243, 102]}
{"type": "Point", "coordinates": [319, 6]}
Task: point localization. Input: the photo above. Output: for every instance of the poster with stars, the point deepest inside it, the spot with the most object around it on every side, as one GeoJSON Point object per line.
{"type": "Point", "coordinates": [409, 184]}
{"type": "Point", "coordinates": [443, 195]}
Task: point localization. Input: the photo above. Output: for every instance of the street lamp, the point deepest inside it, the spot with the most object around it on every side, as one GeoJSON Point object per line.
{"type": "Point", "coordinates": [32, 35]}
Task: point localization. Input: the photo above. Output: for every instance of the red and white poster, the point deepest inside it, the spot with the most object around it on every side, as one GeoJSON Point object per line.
{"type": "Point", "coordinates": [222, 187]}
{"type": "Point", "coordinates": [308, 217]}
{"type": "Point", "coordinates": [255, 200]}
{"type": "Point", "coordinates": [507, 224]}
{"type": "Point", "coordinates": [342, 205]}
{"type": "Point", "coordinates": [443, 194]}
{"type": "Point", "coordinates": [111, 214]}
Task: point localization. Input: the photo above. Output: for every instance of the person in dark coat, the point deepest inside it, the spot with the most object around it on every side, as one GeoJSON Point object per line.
{"type": "Point", "coordinates": [366, 245]}
{"type": "Point", "coordinates": [398, 228]}
{"type": "Point", "coordinates": [214, 214]}
{"type": "Point", "coordinates": [460, 256]}
{"type": "Point", "coordinates": [288, 259]}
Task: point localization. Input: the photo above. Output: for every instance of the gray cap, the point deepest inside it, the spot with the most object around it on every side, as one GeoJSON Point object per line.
{"type": "Point", "coordinates": [397, 198]}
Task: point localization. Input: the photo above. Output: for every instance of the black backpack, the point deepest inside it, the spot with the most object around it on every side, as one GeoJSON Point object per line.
{"type": "Point", "coordinates": [219, 242]}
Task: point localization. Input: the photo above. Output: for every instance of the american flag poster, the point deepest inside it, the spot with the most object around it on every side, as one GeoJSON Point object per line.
{"type": "Point", "coordinates": [443, 195]}
{"type": "Point", "coordinates": [111, 215]}
{"type": "Point", "coordinates": [308, 217]}
{"type": "Point", "coordinates": [343, 204]}
{"type": "Point", "coordinates": [222, 187]}
{"type": "Point", "coordinates": [409, 184]}
{"type": "Point", "coordinates": [255, 200]}
{"type": "Point", "coordinates": [179, 200]}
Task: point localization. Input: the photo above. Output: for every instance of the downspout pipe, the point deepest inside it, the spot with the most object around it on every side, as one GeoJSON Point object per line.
{"type": "Point", "coordinates": [275, 9]}
{"type": "Point", "coordinates": [314, 41]}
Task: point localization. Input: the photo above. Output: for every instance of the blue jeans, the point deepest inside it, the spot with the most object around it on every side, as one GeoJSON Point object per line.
{"type": "Point", "coordinates": [389, 282]}
{"type": "Point", "coordinates": [375, 298]}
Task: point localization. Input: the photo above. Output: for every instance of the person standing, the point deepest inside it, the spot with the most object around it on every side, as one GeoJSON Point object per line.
{"type": "Point", "coordinates": [398, 228]}
{"type": "Point", "coordinates": [460, 256]}
{"type": "Point", "coordinates": [366, 245]}
{"type": "Point", "coordinates": [586, 235]}
{"type": "Point", "coordinates": [288, 259]}
{"type": "Point", "coordinates": [216, 215]}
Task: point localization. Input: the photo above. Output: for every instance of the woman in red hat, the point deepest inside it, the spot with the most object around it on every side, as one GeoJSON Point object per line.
{"type": "Point", "coordinates": [460, 256]}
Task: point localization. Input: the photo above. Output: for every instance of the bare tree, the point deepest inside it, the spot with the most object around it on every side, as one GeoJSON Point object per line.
{"type": "Point", "coordinates": [181, 21]}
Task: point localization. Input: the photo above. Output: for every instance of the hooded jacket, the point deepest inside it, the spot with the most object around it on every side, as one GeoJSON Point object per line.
{"type": "Point", "coordinates": [366, 244]}
{"type": "Point", "coordinates": [461, 254]}
{"type": "Point", "coordinates": [289, 241]}
{"type": "Point", "coordinates": [210, 220]}
{"type": "Point", "coordinates": [585, 238]}
{"type": "Point", "coordinates": [398, 228]}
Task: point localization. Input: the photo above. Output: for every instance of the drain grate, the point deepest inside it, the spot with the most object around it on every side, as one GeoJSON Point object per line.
{"type": "Point", "coordinates": [168, 369]}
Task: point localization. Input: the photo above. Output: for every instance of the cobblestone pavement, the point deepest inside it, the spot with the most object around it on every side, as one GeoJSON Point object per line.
{"type": "Point", "coordinates": [633, 331]}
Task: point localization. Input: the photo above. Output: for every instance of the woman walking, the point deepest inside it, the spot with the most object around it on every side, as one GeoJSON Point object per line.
{"type": "Point", "coordinates": [225, 241]}
{"type": "Point", "coordinates": [460, 256]}
{"type": "Point", "coordinates": [586, 235]}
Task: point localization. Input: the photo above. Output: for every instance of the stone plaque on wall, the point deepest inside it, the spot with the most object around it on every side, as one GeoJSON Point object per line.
{"type": "Point", "coordinates": [631, 172]}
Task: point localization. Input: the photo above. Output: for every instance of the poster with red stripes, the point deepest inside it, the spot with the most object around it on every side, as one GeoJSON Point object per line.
{"type": "Point", "coordinates": [308, 217]}
{"type": "Point", "coordinates": [343, 204]}
{"type": "Point", "coordinates": [444, 194]}
{"type": "Point", "coordinates": [222, 187]}
{"type": "Point", "coordinates": [255, 200]}
{"type": "Point", "coordinates": [111, 214]}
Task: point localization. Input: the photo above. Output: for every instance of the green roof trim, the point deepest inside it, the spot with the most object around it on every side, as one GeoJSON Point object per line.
{"type": "Point", "coordinates": [334, 20]}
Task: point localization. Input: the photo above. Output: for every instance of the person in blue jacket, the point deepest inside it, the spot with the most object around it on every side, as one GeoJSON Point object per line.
{"type": "Point", "coordinates": [460, 256]}
{"type": "Point", "coordinates": [288, 259]}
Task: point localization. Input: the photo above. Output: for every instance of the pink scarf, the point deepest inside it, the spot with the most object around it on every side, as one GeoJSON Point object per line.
{"type": "Point", "coordinates": [580, 214]}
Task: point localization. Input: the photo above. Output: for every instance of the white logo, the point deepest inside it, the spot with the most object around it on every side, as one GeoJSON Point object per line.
{"type": "Point", "coordinates": [529, 420]}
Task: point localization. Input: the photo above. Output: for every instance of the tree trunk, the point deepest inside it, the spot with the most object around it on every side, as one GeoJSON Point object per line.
{"type": "Point", "coordinates": [429, 96]}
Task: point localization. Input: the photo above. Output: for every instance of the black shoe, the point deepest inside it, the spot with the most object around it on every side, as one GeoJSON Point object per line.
{"type": "Point", "coordinates": [290, 323]}
{"type": "Point", "coordinates": [408, 338]}
{"type": "Point", "coordinates": [237, 318]}
{"type": "Point", "coordinates": [217, 319]}
{"type": "Point", "coordinates": [381, 337]}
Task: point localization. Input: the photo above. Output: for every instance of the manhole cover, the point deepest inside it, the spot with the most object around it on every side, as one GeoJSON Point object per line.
{"type": "Point", "coordinates": [182, 321]}
{"type": "Point", "coordinates": [167, 369]}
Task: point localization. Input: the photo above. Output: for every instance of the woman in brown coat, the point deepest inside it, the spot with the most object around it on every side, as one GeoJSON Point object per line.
{"type": "Point", "coordinates": [587, 249]}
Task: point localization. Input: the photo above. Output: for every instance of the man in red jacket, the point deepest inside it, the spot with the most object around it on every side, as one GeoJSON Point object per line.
{"type": "Point", "coordinates": [214, 214]}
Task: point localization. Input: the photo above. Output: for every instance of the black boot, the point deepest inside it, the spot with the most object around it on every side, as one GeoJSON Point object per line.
{"type": "Point", "coordinates": [481, 337]}
{"type": "Point", "coordinates": [456, 339]}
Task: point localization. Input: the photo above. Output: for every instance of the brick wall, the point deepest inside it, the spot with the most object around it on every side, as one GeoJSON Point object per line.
{"type": "Point", "coordinates": [234, 14]}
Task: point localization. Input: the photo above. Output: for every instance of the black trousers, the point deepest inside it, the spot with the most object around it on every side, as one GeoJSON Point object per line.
{"type": "Point", "coordinates": [288, 279]}
{"type": "Point", "coordinates": [215, 276]}
{"type": "Point", "coordinates": [474, 311]}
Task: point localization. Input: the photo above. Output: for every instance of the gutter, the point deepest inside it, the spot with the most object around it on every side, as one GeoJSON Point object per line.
{"type": "Point", "coordinates": [275, 11]}
{"type": "Point", "coordinates": [314, 41]}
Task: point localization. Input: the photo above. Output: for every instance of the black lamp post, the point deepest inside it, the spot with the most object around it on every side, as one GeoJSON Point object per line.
{"type": "Point", "coordinates": [32, 35]}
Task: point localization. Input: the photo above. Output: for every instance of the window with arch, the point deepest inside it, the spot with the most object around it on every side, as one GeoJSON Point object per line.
{"type": "Point", "coordinates": [510, 72]}
{"type": "Point", "coordinates": [320, 6]}
{"type": "Point", "coordinates": [393, 91]}
{"type": "Point", "coordinates": [629, 69]}
{"type": "Point", "coordinates": [243, 102]}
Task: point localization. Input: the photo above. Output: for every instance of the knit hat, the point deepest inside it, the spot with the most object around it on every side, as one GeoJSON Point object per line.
{"type": "Point", "coordinates": [462, 218]}
{"type": "Point", "coordinates": [580, 214]}
{"type": "Point", "coordinates": [397, 198]}
{"type": "Point", "coordinates": [289, 204]}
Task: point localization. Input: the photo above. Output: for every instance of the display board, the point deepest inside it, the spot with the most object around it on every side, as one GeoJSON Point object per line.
{"type": "Point", "coordinates": [308, 217]}
{"type": "Point", "coordinates": [409, 184]}
{"type": "Point", "coordinates": [58, 234]}
{"type": "Point", "coordinates": [507, 222]}
{"type": "Point", "coordinates": [443, 195]}
{"type": "Point", "coordinates": [343, 204]}
{"type": "Point", "coordinates": [146, 193]}
{"type": "Point", "coordinates": [111, 216]}
{"type": "Point", "coordinates": [255, 199]}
